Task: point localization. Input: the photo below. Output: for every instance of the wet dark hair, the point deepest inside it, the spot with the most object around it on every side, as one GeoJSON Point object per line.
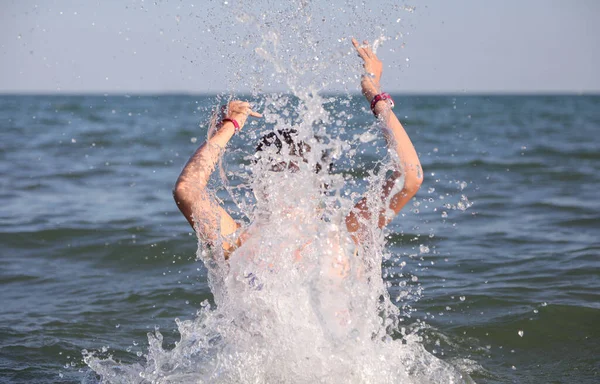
{"type": "Point", "coordinates": [296, 147]}
{"type": "Point", "coordinates": [290, 136]}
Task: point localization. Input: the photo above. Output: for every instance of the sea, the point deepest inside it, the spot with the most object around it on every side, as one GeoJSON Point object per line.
{"type": "Point", "coordinates": [500, 247]}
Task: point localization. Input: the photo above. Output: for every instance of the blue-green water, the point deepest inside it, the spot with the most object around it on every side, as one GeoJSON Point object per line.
{"type": "Point", "coordinates": [503, 235]}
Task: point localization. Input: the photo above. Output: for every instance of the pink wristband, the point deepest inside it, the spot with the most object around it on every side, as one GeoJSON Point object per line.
{"type": "Point", "coordinates": [236, 126]}
{"type": "Point", "coordinates": [379, 97]}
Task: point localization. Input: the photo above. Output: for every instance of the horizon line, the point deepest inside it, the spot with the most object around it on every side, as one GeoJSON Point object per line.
{"type": "Point", "coordinates": [213, 94]}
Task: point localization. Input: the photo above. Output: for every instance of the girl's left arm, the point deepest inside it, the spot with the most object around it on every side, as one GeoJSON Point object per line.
{"type": "Point", "coordinates": [407, 162]}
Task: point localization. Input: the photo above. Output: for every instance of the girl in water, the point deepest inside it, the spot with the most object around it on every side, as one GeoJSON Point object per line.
{"type": "Point", "coordinates": [299, 292]}
{"type": "Point", "coordinates": [213, 224]}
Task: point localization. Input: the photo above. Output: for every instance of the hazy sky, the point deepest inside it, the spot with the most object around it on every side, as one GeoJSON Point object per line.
{"type": "Point", "coordinates": [184, 46]}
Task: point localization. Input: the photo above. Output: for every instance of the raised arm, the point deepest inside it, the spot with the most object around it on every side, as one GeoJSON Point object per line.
{"type": "Point", "coordinates": [193, 199]}
{"type": "Point", "coordinates": [393, 196]}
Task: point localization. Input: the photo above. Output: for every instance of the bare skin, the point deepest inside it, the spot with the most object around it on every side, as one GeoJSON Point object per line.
{"type": "Point", "coordinates": [191, 194]}
{"type": "Point", "coordinates": [211, 221]}
{"type": "Point", "coordinates": [397, 140]}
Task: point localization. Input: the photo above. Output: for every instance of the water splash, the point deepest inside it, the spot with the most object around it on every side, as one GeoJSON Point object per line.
{"type": "Point", "coordinates": [298, 302]}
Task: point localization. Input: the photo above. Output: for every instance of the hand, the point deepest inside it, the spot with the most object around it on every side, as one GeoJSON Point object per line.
{"type": "Point", "coordinates": [373, 68]}
{"type": "Point", "coordinates": [239, 111]}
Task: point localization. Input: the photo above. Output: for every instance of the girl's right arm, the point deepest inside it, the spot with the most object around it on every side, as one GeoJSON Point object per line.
{"type": "Point", "coordinates": [193, 199]}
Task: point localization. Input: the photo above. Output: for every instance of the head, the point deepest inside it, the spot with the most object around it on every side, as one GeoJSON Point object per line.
{"type": "Point", "coordinates": [287, 176]}
{"type": "Point", "coordinates": [288, 151]}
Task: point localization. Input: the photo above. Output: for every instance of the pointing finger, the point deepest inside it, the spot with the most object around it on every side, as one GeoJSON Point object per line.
{"type": "Point", "coordinates": [361, 51]}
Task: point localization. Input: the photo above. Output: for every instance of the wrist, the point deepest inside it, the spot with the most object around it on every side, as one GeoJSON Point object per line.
{"type": "Point", "coordinates": [370, 87]}
{"type": "Point", "coordinates": [231, 123]}
{"type": "Point", "coordinates": [381, 102]}
{"type": "Point", "coordinates": [380, 107]}
{"type": "Point", "coordinates": [370, 94]}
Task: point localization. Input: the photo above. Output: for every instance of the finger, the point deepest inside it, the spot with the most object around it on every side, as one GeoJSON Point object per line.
{"type": "Point", "coordinates": [255, 114]}
{"type": "Point", "coordinates": [362, 53]}
{"type": "Point", "coordinates": [367, 48]}
{"type": "Point", "coordinates": [359, 49]}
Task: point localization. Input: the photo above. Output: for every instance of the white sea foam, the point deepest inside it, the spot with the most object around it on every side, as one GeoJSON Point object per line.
{"type": "Point", "coordinates": [298, 302]}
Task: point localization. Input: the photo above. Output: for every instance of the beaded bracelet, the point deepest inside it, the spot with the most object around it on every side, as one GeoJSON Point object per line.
{"type": "Point", "coordinates": [379, 97]}
{"type": "Point", "coordinates": [236, 126]}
